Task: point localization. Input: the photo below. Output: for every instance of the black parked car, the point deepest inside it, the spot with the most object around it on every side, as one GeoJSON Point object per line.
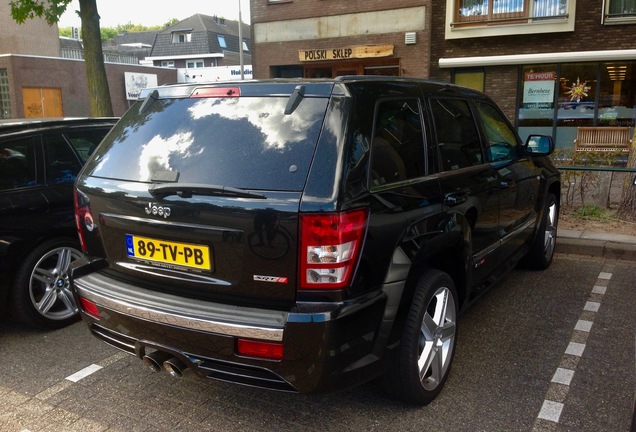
{"type": "Point", "coordinates": [307, 235]}
{"type": "Point", "coordinates": [39, 160]}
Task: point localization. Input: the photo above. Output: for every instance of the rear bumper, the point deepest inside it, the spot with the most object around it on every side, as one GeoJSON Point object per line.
{"type": "Point", "coordinates": [326, 346]}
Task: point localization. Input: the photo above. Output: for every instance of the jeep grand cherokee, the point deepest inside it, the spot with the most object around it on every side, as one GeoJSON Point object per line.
{"type": "Point", "coordinates": [307, 235]}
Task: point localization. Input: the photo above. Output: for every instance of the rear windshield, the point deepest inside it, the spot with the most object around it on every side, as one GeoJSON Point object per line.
{"type": "Point", "coordinates": [245, 142]}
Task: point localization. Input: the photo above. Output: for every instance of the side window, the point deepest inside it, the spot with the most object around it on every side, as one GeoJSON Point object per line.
{"type": "Point", "coordinates": [457, 136]}
{"type": "Point", "coordinates": [397, 147]}
{"type": "Point", "coordinates": [62, 164]}
{"type": "Point", "coordinates": [17, 164]}
{"type": "Point", "coordinates": [502, 140]}
{"type": "Point", "coordinates": [85, 141]}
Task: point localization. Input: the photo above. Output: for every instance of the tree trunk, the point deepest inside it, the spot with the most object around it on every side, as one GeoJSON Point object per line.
{"type": "Point", "coordinates": [98, 90]}
{"type": "Point", "coordinates": [627, 206]}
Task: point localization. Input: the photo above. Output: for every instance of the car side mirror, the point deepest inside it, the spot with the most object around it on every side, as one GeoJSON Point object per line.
{"type": "Point", "coordinates": [539, 145]}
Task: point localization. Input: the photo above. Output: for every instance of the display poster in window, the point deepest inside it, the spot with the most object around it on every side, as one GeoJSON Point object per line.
{"type": "Point", "coordinates": [538, 90]}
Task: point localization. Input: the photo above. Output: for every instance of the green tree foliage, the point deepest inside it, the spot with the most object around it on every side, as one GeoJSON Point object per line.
{"type": "Point", "coordinates": [51, 10]}
{"type": "Point", "coordinates": [110, 32]}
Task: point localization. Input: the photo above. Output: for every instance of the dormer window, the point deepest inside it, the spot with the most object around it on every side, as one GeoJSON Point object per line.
{"type": "Point", "coordinates": [181, 37]}
{"type": "Point", "coordinates": [221, 40]}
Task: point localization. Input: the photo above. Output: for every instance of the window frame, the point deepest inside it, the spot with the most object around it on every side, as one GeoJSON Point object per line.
{"type": "Point", "coordinates": [178, 35]}
{"type": "Point", "coordinates": [622, 18]}
{"type": "Point", "coordinates": [194, 64]}
{"type": "Point", "coordinates": [423, 140]}
{"type": "Point", "coordinates": [222, 41]}
{"type": "Point", "coordinates": [525, 26]}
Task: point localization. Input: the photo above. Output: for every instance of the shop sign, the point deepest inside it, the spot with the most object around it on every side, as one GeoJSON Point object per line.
{"type": "Point", "coordinates": [345, 53]}
{"type": "Point", "coordinates": [538, 87]}
{"type": "Point", "coordinates": [135, 82]}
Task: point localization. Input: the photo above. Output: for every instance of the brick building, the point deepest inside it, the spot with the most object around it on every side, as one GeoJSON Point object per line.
{"type": "Point", "coordinates": [317, 39]}
{"type": "Point", "coordinates": [36, 82]}
{"type": "Point", "coordinates": [552, 65]}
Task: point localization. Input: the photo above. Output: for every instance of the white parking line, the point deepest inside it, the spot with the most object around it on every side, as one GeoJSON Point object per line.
{"type": "Point", "coordinates": [83, 373]}
{"type": "Point", "coordinates": [584, 326]}
{"type": "Point", "coordinates": [575, 349]}
{"type": "Point", "coordinates": [551, 410]}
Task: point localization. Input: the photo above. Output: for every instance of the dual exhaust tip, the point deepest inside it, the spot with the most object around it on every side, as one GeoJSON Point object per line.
{"type": "Point", "coordinates": [160, 360]}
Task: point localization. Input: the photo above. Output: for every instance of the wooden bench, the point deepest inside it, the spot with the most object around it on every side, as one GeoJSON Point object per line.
{"type": "Point", "coordinates": [603, 139]}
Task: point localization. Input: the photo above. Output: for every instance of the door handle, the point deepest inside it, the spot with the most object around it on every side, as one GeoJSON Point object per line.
{"type": "Point", "coordinates": [455, 198]}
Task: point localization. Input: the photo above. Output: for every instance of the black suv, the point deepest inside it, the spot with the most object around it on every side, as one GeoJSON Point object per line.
{"type": "Point", "coordinates": [307, 235]}
{"type": "Point", "coordinates": [39, 160]}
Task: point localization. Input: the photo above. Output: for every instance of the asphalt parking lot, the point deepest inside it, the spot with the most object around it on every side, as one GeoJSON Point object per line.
{"type": "Point", "coordinates": [542, 351]}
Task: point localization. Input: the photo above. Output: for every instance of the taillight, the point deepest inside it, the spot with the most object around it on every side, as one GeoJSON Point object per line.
{"type": "Point", "coordinates": [83, 217]}
{"type": "Point", "coordinates": [330, 244]}
{"type": "Point", "coordinates": [216, 92]}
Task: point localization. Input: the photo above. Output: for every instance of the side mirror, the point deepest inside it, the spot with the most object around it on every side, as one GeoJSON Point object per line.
{"type": "Point", "coordinates": [539, 145]}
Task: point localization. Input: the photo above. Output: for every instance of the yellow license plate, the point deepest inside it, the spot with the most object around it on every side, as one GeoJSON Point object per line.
{"type": "Point", "coordinates": [167, 252]}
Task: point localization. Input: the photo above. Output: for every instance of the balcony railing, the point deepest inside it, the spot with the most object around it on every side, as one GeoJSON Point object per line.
{"type": "Point", "coordinates": [483, 12]}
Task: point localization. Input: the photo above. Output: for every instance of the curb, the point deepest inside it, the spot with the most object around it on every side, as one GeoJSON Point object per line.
{"type": "Point", "coordinates": [606, 245]}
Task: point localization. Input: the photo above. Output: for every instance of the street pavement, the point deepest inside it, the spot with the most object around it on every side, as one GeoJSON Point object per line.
{"type": "Point", "coordinates": [46, 403]}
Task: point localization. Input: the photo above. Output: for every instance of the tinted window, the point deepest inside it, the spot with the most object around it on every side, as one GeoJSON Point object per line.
{"type": "Point", "coordinates": [240, 142]}
{"type": "Point", "coordinates": [17, 164]}
{"type": "Point", "coordinates": [457, 137]}
{"type": "Point", "coordinates": [62, 165]}
{"type": "Point", "coordinates": [397, 150]}
{"type": "Point", "coordinates": [85, 141]}
{"type": "Point", "coordinates": [501, 138]}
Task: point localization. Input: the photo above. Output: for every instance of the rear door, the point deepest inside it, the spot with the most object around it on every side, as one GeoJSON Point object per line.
{"type": "Point", "coordinates": [470, 186]}
{"type": "Point", "coordinates": [199, 196]}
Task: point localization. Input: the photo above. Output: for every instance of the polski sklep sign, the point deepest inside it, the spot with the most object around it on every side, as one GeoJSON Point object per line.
{"type": "Point", "coordinates": [135, 82]}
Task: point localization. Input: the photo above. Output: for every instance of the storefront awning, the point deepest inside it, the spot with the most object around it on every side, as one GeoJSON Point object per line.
{"type": "Point", "coordinates": [555, 57]}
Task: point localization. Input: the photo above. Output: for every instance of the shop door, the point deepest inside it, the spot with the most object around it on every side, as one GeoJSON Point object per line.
{"type": "Point", "coordinates": [42, 102]}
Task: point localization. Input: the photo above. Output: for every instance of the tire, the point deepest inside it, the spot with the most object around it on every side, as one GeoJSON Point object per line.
{"type": "Point", "coordinates": [542, 250]}
{"type": "Point", "coordinates": [421, 365]}
{"type": "Point", "coordinates": [40, 294]}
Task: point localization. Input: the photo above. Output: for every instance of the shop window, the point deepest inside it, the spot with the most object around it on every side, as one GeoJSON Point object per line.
{"type": "Point", "coordinates": [397, 147]}
{"type": "Point", "coordinates": [557, 99]}
{"type": "Point", "coordinates": [618, 11]}
{"type": "Point", "coordinates": [386, 70]}
{"type": "Point", "coordinates": [292, 71]}
{"type": "Point", "coordinates": [471, 78]}
{"type": "Point", "coordinates": [617, 99]}
{"type": "Point", "coordinates": [456, 133]}
{"type": "Point", "coordinates": [537, 99]}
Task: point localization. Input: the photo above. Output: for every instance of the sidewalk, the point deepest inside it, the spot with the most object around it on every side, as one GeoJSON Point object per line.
{"type": "Point", "coordinates": [606, 245]}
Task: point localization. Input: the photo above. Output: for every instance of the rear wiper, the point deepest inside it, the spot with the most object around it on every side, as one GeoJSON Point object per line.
{"type": "Point", "coordinates": [188, 190]}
